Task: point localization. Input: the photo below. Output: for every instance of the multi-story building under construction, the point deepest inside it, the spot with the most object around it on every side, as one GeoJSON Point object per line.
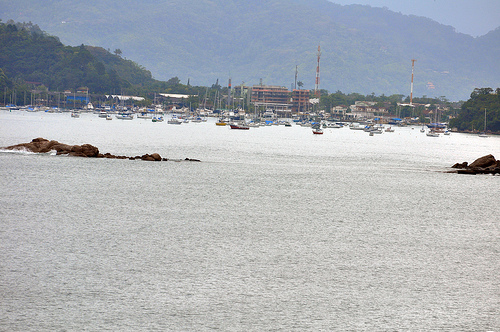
{"type": "Point", "coordinates": [274, 97]}
{"type": "Point", "coordinates": [300, 101]}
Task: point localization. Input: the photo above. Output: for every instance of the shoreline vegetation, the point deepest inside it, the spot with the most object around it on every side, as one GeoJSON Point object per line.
{"type": "Point", "coordinates": [34, 61]}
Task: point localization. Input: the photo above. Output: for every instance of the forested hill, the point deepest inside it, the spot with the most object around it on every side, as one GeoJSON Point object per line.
{"type": "Point", "coordinates": [364, 49]}
{"type": "Point", "coordinates": [483, 102]}
{"type": "Point", "coordinates": [27, 54]}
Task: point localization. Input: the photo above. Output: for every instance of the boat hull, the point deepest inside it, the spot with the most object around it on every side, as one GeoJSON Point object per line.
{"type": "Point", "coordinates": [240, 127]}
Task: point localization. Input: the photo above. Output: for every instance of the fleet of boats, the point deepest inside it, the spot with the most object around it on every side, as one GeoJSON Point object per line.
{"type": "Point", "coordinates": [240, 122]}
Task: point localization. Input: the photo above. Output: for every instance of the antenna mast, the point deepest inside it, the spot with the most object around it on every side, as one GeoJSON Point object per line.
{"type": "Point", "coordinates": [296, 73]}
{"type": "Point", "coordinates": [411, 86]}
{"type": "Point", "coordinates": [316, 87]}
{"type": "Point", "coordinates": [229, 94]}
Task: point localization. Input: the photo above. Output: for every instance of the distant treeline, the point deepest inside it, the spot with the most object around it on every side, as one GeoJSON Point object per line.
{"type": "Point", "coordinates": [472, 113]}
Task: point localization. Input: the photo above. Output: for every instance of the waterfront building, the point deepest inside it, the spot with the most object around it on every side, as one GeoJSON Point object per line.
{"type": "Point", "coordinates": [276, 98]}
{"type": "Point", "coordinates": [300, 101]}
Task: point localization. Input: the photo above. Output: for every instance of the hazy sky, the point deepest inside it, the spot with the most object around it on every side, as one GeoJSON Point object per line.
{"type": "Point", "coordinates": [473, 17]}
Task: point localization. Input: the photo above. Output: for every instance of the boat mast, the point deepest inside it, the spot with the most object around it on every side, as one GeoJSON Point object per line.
{"type": "Point", "coordinates": [296, 73]}
{"type": "Point", "coordinates": [229, 94]}
{"type": "Point", "coordinates": [485, 119]}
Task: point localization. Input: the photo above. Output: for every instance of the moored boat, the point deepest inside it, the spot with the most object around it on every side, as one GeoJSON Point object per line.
{"type": "Point", "coordinates": [221, 122]}
{"type": "Point", "coordinates": [432, 133]}
{"type": "Point", "coordinates": [239, 126]}
{"type": "Point", "coordinates": [145, 115]}
{"type": "Point", "coordinates": [356, 126]}
{"type": "Point", "coordinates": [174, 120]}
{"type": "Point", "coordinates": [125, 116]}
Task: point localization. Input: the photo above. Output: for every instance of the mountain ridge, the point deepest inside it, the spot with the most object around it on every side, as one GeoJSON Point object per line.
{"type": "Point", "coordinates": [364, 49]}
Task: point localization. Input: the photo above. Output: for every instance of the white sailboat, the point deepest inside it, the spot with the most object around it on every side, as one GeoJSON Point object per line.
{"type": "Point", "coordinates": [483, 134]}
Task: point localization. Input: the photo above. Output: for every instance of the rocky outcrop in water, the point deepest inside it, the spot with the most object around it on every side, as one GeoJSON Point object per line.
{"type": "Point", "coordinates": [42, 145]}
{"type": "Point", "coordinates": [484, 165]}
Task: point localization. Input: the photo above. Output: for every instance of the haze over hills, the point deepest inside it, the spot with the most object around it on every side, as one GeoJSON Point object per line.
{"type": "Point", "coordinates": [364, 49]}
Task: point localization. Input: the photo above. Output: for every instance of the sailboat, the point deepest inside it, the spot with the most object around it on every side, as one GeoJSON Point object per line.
{"type": "Point", "coordinates": [483, 134]}
{"type": "Point", "coordinates": [316, 129]}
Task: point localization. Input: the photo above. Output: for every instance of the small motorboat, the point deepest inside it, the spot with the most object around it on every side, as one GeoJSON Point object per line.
{"type": "Point", "coordinates": [432, 133]}
{"type": "Point", "coordinates": [239, 126]}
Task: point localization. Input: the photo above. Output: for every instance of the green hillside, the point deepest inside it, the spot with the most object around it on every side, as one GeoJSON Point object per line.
{"type": "Point", "coordinates": [483, 102]}
{"type": "Point", "coordinates": [30, 58]}
{"type": "Point", "coordinates": [29, 55]}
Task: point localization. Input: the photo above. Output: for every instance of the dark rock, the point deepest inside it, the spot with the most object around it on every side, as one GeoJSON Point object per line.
{"type": "Point", "coordinates": [462, 165]}
{"type": "Point", "coordinates": [76, 149]}
{"type": "Point", "coordinates": [466, 171]}
{"type": "Point", "coordinates": [39, 139]}
{"type": "Point", "coordinates": [77, 154]}
{"type": "Point", "coordinates": [484, 165]}
{"type": "Point", "coordinates": [90, 150]}
{"type": "Point", "coordinates": [42, 145]}
{"type": "Point", "coordinates": [156, 157]}
{"type": "Point", "coordinates": [484, 161]}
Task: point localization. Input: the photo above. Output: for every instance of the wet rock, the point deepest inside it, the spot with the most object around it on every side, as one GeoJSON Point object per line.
{"type": "Point", "coordinates": [90, 150]}
{"type": "Point", "coordinates": [147, 157]}
{"type": "Point", "coordinates": [484, 161]}
{"type": "Point", "coordinates": [460, 165]}
{"type": "Point", "coordinates": [42, 145]}
{"type": "Point", "coordinates": [466, 171]}
{"type": "Point", "coordinates": [156, 157]}
{"type": "Point", "coordinates": [483, 165]}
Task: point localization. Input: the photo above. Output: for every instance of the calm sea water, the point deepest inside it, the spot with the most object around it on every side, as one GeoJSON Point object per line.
{"type": "Point", "coordinates": [276, 229]}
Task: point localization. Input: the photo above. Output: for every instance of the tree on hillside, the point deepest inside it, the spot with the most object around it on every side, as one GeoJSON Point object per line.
{"type": "Point", "coordinates": [4, 80]}
{"type": "Point", "coordinates": [471, 115]}
{"type": "Point", "coordinates": [174, 81]}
